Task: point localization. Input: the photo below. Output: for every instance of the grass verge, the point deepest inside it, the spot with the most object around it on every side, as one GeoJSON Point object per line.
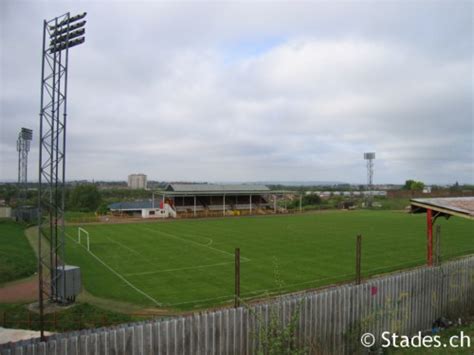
{"type": "Point", "coordinates": [17, 259]}
{"type": "Point", "coordinates": [76, 317]}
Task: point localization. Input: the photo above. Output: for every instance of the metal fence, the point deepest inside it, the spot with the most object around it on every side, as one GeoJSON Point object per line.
{"type": "Point", "coordinates": [329, 321]}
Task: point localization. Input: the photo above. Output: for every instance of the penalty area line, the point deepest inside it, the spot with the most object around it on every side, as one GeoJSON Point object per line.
{"type": "Point", "coordinates": [182, 268]}
{"type": "Point", "coordinates": [281, 291]}
{"type": "Point", "coordinates": [167, 234]}
{"type": "Point", "coordinates": [120, 276]}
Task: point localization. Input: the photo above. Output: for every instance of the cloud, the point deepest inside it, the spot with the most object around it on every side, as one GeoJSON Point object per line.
{"type": "Point", "coordinates": [183, 95]}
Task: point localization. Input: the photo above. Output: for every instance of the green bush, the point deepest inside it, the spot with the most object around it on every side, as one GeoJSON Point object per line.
{"type": "Point", "coordinates": [85, 198]}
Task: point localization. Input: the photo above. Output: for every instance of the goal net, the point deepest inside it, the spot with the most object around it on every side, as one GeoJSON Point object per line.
{"type": "Point", "coordinates": [83, 237]}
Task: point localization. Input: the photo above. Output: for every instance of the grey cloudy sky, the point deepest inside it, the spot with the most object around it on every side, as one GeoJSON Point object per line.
{"type": "Point", "coordinates": [245, 91]}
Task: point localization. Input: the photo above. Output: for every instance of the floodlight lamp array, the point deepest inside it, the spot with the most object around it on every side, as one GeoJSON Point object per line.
{"type": "Point", "coordinates": [26, 134]}
{"type": "Point", "coordinates": [68, 21]}
{"type": "Point", "coordinates": [65, 45]}
{"type": "Point", "coordinates": [67, 34]}
{"type": "Point", "coordinates": [70, 28]}
{"type": "Point", "coordinates": [67, 37]}
{"type": "Point", "coordinates": [369, 156]}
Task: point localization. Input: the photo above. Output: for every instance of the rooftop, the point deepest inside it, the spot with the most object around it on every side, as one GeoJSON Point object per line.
{"type": "Point", "coordinates": [133, 205]}
{"type": "Point", "coordinates": [217, 188]}
{"type": "Point", "coordinates": [453, 206]}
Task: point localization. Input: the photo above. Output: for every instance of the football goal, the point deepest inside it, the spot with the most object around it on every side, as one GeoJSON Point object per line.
{"type": "Point", "coordinates": [81, 235]}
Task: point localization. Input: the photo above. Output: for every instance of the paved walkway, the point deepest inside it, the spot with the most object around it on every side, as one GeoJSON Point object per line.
{"type": "Point", "coordinates": [12, 335]}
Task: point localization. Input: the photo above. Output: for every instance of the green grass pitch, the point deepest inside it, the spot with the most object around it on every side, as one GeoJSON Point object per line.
{"type": "Point", "coordinates": [188, 264]}
{"type": "Point", "coordinates": [17, 258]}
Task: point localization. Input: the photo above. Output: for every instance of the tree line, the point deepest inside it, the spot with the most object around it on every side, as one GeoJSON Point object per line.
{"type": "Point", "coordinates": [79, 198]}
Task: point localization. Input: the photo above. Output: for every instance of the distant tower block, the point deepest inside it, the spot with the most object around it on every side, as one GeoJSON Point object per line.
{"type": "Point", "coordinates": [370, 157]}
{"type": "Point", "coordinates": [137, 181]}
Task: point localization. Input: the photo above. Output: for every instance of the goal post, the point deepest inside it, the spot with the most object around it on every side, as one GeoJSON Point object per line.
{"type": "Point", "coordinates": [80, 232]}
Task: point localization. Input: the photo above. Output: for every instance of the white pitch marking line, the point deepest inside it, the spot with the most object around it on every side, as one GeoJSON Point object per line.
{"type": "Point", "coordinates": [120, 276]}
{"type": "Point", "coordinates": [201, 236]}
{"type": "Point", "coordinates": [196, 243]}
{"type": "Point", "coordinates": [124, 246]}
{"type": "Point", "coordinates": [179, 269]}
{"type": "Point", "coordinates": [149, 261]}
{"type": "Point", "coordinates": [268, 290]}
{"type": "Point", "coordinates": [262, 291]}
{"type": "Point", "coordinates": [227, 298]}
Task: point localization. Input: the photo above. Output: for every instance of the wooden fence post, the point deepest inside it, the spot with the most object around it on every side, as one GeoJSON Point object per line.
{"type": "Point", "coordinates": [237, 278]}
{"type": "Point", "coordinates": [438, 245]}
{"type": "Point", "coordinates": [429, 241]}
{"type": "Point", "coordinates": [358, 258]}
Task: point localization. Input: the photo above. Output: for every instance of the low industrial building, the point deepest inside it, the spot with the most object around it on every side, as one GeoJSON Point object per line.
{"type": "Point", "coordinates": [143, 209]}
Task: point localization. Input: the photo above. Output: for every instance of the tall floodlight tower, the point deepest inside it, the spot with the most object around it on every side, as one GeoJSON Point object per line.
{"type": "Point", "coordinates": [23, 147]}
{"type": "Point", "coordinates": [369, 157]}
{"type": "Point", "coordinates": [59, 35]}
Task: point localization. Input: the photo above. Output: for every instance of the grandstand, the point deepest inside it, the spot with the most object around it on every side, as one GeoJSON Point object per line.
{"type": "Point", "coordinates": [218, 199]}
{"type": "Point", "coordinates": [198, 200]}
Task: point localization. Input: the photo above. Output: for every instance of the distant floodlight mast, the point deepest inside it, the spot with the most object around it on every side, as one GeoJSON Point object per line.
{"type": "Point", "coordinates": [23, 144]}
{"type": "Point", "coordinates": [370, 157]}
{"type": "Point", "coordinates": [59, 34]}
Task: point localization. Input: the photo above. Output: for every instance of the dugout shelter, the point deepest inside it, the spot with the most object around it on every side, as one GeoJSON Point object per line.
{"type": "Point", "coordinates": [441, 207]}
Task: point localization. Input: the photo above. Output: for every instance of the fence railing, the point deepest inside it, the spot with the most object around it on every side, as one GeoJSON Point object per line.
{"type": "Point", "coordinates": [330, 321]}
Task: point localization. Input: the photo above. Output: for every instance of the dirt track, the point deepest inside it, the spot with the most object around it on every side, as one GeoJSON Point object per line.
{"type": "Point", "coordinates": [20, 291]}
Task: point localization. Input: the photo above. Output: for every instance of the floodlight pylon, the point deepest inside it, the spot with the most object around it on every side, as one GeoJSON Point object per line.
{"type": "Point", "coordinates": [370, 157]}
{"type": "Point", "coordinates": [23, 144]}
{"type": "Point", "coordinates": [52, 154]}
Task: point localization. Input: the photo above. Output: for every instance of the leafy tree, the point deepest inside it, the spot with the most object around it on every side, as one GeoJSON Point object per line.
{"type": "Point", "coordinates": [312, 199]}
{"type": "Point", "coordinates": [408, 184]}
{"type": "Point", "coordinates": [85, 198]}
{"type": "Point", "coordinates": [121, 194]}
{"type": "Point", "coordinates": [455, 187]}
{"type": "Point", "coordinates": [417, 186]}
{"type": "Point", "coordinates": [103, 208]}
{"type": "Point", "coordinates": [413, 185]}
{"type": "Point", "coordinates": [8, 192]}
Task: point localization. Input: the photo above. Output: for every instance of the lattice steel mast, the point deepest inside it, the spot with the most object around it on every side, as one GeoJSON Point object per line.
{"type": "Point", "coordinates": [370, 175]}
{"type": "Point", "coordinates": [59, 34]}
{"type": "Point", "coordinates": [23, 147]}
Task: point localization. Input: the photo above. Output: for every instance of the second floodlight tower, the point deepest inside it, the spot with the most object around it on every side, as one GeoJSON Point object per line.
{"type": "Point", "coordinates": [23, 144]}
{"type": "Point", "coordinates": [59, 35]}
{"type": "Point", "coordinates": [369, 157]}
